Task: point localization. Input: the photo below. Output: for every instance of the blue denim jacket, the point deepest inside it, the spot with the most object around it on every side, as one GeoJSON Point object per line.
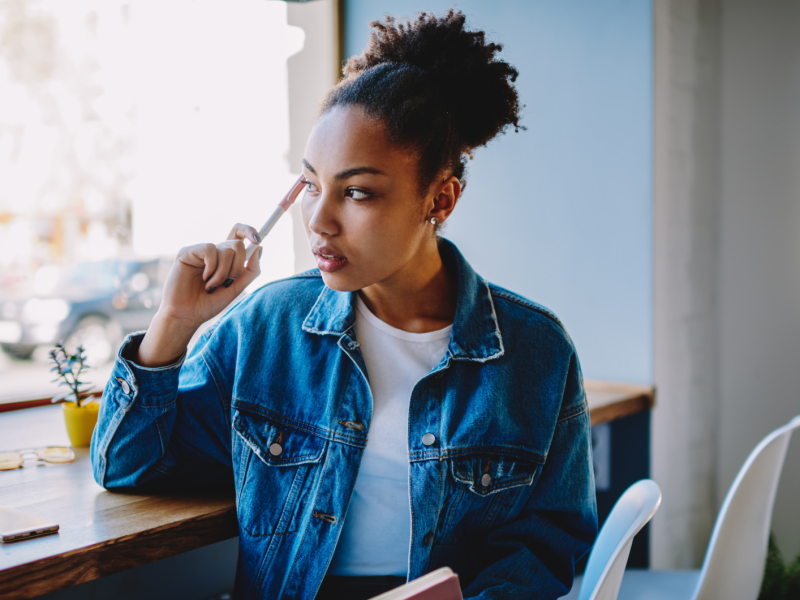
{"type": "Point", "coordinates": [274, 398]}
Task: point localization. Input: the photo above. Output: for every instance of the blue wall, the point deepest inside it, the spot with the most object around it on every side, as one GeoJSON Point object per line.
{"type": "Point", "coordinates": [562, 213]}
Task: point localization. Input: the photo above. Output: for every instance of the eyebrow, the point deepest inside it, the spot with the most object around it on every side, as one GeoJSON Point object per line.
{"type": "Point", "coordinates": [349, 172]}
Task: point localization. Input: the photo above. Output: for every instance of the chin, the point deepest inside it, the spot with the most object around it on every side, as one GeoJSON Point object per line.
{"type": "Point", "coordinates": [340, 283]}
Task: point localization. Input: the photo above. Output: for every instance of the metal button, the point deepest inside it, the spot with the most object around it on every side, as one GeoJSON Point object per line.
{"type": "Point", "coordinates": [126, 388]}
{"type": "Point", "coordinates": [428, 439]}
{"type": "Point", "coordinates": [275, 449]}
{"type": "Point", "coordinates": [428, 539]}
{"type": "Point", "coordinates": [486, 480]}
{"type": "Point", "coordinates": [353, 345]}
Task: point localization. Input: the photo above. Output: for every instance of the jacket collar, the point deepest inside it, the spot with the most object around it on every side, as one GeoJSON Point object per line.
{"type": "Point", "coordinates": [476, 334]}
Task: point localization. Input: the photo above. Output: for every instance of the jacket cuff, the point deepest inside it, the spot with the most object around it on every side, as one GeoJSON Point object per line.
{"type": "Point", "coordinates": [153, 386]}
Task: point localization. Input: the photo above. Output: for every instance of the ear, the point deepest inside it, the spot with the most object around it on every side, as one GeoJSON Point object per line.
{"type": "Point", "coordinates": [445, 197]}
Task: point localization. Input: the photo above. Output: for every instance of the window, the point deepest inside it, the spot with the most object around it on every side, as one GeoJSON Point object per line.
{"type": "Point", "coordinates": [128, 130]}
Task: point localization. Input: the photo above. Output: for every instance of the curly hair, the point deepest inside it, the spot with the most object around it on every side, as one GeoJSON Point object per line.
{"type": "Point", "coordinates": [436, 86]}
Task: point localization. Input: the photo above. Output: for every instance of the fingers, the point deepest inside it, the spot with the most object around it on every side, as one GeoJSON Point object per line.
{"type": "Point", "coordinates": [230, 265]}
{"type": "Point", "coordinates": [244, 232]}
{"type": "Point", "coordinates": [225, 264]}
{"type": "Point", "coordinates": [239, 279]}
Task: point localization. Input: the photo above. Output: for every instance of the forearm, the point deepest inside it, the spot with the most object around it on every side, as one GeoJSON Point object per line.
{"type": "Point", "coordinates": [146, 418]}
{"type": "Point", "coordinates": [127, 440]}
{"type": "Point", "coordinates": [165, 341]}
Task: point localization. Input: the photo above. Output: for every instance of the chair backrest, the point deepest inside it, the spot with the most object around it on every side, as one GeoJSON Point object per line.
{"type": "Point", "coordinates": [734, 563]}
{"type": "Point", "coordinates": [609, 555]}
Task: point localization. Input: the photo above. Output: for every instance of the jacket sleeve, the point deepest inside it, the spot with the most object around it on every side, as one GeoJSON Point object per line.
{"type": "Point", "coordinates": [166, 427]}
{"type": "Point", "coordinates": [534, 555]}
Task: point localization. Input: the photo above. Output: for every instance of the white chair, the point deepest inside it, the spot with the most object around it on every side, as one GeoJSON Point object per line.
{"type": "Point", "coordinates": [609, 555]}
{"type": "Point", "coordinates": [734, 563]}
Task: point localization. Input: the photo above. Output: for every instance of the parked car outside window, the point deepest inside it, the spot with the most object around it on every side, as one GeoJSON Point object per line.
{"type": "Point", "coordinates": [95, 305]}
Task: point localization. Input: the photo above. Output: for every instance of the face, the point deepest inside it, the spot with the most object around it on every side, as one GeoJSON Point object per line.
{"type": "Point", "coordinates": [362, 211]}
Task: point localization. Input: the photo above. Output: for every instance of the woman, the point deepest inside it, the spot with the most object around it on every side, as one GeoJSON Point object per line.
{"type": "Point", "coordinates": [391, 412]}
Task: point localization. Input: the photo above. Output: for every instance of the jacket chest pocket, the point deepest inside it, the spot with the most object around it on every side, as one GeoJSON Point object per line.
{"type": "Point", "coordinates": [278, 467]}
{"type": "Point", "coordinates": [485, 490]}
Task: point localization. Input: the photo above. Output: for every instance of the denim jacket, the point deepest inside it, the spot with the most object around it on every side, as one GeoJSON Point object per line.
{"type": "Point", "coordinates": [275, 399]}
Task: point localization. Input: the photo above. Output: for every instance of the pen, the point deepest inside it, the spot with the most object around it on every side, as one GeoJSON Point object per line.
{"type": "Point", "coordinates": [282, 207]}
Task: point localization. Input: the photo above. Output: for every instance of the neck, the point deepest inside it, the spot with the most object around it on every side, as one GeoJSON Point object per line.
{"type": "Point", "coordinates": [420, 298]}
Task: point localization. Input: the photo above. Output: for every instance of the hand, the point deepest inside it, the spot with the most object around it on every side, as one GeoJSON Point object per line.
{"type": "Point", "coordinates": [203, 281]}
{"type": "Point", "coordinates": [206, 278]}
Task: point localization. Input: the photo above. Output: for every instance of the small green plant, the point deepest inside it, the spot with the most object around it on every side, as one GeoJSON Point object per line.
{"type": "Point", "coordinates": [69, 368]}
{"type": "Point", "coordinates": [781, 580]}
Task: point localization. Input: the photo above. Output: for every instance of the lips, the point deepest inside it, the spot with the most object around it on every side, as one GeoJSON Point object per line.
{"type": "Point", "coordinates": [328, 259]}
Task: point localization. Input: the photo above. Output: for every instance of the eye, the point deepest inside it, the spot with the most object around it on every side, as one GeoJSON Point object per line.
{"type": "Point", "coordinates": [310, 186]}
{"type": "Point", "coordinates": [356, 194]}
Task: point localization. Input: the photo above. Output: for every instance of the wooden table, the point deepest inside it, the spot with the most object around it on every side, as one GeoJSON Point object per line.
{"type": "Point", "coordinates": [609, 401]}
{"type": "Point", "coordinates": [103, 532]}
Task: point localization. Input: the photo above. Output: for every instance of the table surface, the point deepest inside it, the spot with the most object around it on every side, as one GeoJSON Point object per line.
{"type": "Point", "coordinates": [103, 532]}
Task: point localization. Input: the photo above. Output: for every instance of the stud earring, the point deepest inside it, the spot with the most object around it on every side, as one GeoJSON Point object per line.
{"type": "Point", "coordinates": [434, 221]}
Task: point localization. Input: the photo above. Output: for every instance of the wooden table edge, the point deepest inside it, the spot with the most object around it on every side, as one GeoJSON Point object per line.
{"type": "Point", "coordinates": [112, 556]}
{"type": "Point", "coordinates": [600, 415]}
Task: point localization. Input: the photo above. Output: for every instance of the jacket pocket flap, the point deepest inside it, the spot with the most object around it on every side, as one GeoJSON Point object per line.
{"type": "Point", "coordinates": [276, 444]}
{"type": "Point", "coordinates": [488, 472]}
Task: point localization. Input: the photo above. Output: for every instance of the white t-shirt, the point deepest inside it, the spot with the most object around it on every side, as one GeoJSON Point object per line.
{"type": "Point", "coordinates": [377, 530]}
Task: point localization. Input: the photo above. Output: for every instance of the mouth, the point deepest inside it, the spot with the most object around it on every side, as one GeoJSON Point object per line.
{"type": "Point", "coordinates": [328, 260]}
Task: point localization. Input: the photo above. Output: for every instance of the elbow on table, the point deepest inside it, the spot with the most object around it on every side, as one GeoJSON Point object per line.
{"type": "Point", "coordinates": [114, 472]}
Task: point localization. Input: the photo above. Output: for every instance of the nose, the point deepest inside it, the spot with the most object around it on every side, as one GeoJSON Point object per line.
{"type": "Point", "coordinates": [322, 214]}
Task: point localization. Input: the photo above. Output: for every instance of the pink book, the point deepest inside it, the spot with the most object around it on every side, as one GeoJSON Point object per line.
{"type": "Point", "coordinates": [441, 584]}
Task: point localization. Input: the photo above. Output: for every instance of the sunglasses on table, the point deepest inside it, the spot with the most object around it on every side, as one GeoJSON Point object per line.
{"type": "Point", "coordinates": [39, 457]}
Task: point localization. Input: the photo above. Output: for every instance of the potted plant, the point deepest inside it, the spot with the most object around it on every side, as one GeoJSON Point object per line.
{"type": "Point", "coordinates": [80, 412]}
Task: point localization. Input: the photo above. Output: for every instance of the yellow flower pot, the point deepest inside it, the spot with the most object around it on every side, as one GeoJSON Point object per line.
{"type": "Point", "coordinates": [80, 422]}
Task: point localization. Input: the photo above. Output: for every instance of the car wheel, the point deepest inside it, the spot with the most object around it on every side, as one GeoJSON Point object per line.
{"type": "Point", "coordinates": [99, 337]}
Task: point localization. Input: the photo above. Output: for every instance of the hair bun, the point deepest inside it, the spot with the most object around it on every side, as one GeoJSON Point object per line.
{"type": "Point", "coordinates": [475, 87]}
{"type": "Point", "coordinates": [437, 88]}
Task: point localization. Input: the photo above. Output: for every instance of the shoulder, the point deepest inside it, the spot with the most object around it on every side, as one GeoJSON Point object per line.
{"type": "Point", "coordinates": [524, 316]}
{"type": "Point", "coordinates": [531, 331]}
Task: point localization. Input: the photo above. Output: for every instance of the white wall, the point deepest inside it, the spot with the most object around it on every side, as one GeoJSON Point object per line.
{"type": "Point", "coordinates": [684, 422]}
{"type": "Point", "coordinates": [727, 268]}
{"type": "Point", "coordinates": [758, 283]}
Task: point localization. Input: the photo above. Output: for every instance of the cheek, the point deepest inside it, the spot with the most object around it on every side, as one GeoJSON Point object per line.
{"type": "Point", "coordinates": [306, 208]}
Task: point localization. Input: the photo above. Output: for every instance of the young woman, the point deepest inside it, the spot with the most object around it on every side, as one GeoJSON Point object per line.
{"type": "Point", "coordinates": [391, 412]}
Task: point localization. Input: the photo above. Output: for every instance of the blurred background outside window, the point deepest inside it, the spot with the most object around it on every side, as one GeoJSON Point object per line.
{"type": "Point", "coordinates": [128, 130]}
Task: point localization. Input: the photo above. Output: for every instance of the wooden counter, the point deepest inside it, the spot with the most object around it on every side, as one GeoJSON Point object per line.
{"type": "Point", "coordinates": [103, 532]}
{"type": "Point", "coordinates": [609, 401]}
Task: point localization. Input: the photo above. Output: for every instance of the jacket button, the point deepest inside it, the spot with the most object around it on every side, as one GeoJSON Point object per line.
{"type": "Point", "coordinates": [126, 389]}
{"type": "Point", "coordinates": [275, 449]}
{"type": "Point", "coordinates": [486, 480]}
{"type": "Point", "coordinates": [428, 439]}
{"type": "Point", "coordinates": [428, 539]}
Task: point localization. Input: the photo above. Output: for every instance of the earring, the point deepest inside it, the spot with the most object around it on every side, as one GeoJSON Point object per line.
{"type": "Point", "coordinates": [434, 221]}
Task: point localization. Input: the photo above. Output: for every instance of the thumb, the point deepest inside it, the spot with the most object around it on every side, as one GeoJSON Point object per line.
{"type": "Point", "coordinates": [251, 271]}
{"type": "Point", "coordinates": [253, 267]}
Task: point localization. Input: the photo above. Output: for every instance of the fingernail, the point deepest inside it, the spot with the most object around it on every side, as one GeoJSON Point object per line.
{"type": "Point", "coordinates": [228, 282]}
{"type": "Point", "coordinates": [211, 289]}
{"type": "Point", "coordinates": [257, 237]}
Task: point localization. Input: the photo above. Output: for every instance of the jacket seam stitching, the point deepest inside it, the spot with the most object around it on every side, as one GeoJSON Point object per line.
{"type": "Point", "coordinates": [265, 412]}
{"type": "Point", "coordinates": [529, 306]}
{"type": "Point", "coordinates": [534, 457]}
{"type": "Point", "coordinates": [584, 407]}
{"type": "Point", "coordinates": [295, 460]}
